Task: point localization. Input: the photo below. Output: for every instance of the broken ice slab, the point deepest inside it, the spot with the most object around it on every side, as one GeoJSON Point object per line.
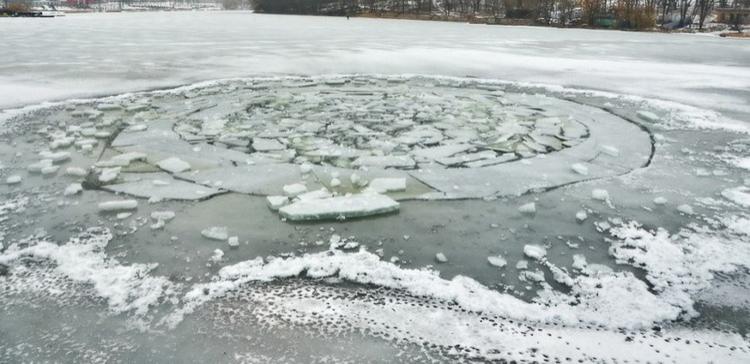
{"type": "Point", "coordinates": [276, 202]}
{"type": "Point", "coordinates": [122, 160]}
{"type": "Point", "coordinates": [383, 185]}
{"type": "Point", "coordinates": [118, 205]}
{"type": "Point", "coordinates": [351, 206]}
{"type": "Point", "coordinates": [216, 233]}
{"type": "Point", "coordinates": [443, 151]}
{"type": "Point", "coordinates": [267, 145]}
{"type": "Point", "coordinates": [387, 161]}
{"type": "Point", "coordinates": [267, 179]}
{"type": "Point", "coordinates": [466, 158]}
{"type": "Point", "coordinates": [173, 165]}
{"type": "Point", "coordinates": [160, 186]}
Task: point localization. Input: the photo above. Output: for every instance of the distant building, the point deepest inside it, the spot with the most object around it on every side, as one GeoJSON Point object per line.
{"type": "Point", "coordinates": [736, 12]}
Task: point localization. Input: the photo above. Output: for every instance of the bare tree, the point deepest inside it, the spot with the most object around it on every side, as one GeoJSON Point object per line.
{"type": "Point", "coordinates": [704, 9]}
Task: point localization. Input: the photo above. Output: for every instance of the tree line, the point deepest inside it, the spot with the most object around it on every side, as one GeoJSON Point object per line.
{"type": "Point", "coordinates": [623, 14]}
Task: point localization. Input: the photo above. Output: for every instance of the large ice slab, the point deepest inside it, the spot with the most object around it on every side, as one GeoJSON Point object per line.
{"type": "Point", "coordinates": [359, 205]}
{"type": "Point", "coordinates": [160, 186]}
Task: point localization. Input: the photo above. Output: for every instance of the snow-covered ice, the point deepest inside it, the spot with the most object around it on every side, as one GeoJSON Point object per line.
{"type": "Point", "coordinates": [358, 205]}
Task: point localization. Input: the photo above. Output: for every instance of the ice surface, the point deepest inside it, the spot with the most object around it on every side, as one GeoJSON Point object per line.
{"type": "Point", "coordinates": [160, 186]}
{"type": "Point", "coordinates": [174, 165]}
{"type": "Point", "coordinates": [739, 195]}
{"type": "Point", "coordinates": [384, 185]}
{"type": "Point", "coordinates": [358, 205]}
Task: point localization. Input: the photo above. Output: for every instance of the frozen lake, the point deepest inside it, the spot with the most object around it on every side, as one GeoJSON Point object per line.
{"type": "Point", "coordinates": [191, 187]}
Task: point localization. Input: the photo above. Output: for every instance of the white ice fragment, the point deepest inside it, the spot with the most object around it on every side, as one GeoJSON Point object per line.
{"type": "Point", "coordinates": [294, 189]}
{"type": "Point", "coordinates": [48, 170]}
{"type": "Point", "coordinates": [233, 241]}
{"type": "Point", "coordinates": [497, 261]}
{"type": "Point", "coordinates": [579, 262]}
{"type": "Point", "coordinates": [305, 168]}
{"type": "Point", "coordinates": [123, 215]}
{"type": "Point", "coordinates": [537, 252]}
{"type": "Point", "coordinates": [528, 209]}
{"type": "Point", "coordinates": [122, 160]}
{"type": "Point", "coordinates": [38, 166]}
{"type": "Point", "coordinates": [118, 205]}
{"type": "Point", "coordinates": [648, 116]}
{"type": "Point", "coordinates": [522, 264]}
{"type": "Point", "coordinates": [55, 157]}
{"type": "Point", "coordinates": [385, 161]}
{"type": "Point", "coordinates": [216, 233]}
{"type": "Point", "coordinates": [340, 207]}
{"type": "Point", "coordinates": [580, 169]}
{"type": "Point", "coordinates": [73, 189]}
{"type": "Point", "coordinates": [356, 180]}
{"type": "Point", "coordinates": [276, 202]}
{"type": "Point", "coordinates": [660, 201]}
{"type": "Point", "coordinates": [685, 209]}
{"type": "Point", "coordinates": [383, 185]}
{"type": "Point", "coordinates": [267, 145]}
{"type": "Point", "coordinates": [75, 172]}
{"type": "Point", "coordinates": [216, 257]}
{"type": "Point", "coordinates": [14, 179]}
{"type": "Point", "coordinates": [610, 150]}
{"type": "Point", "coordinates": [581, 216]}
{"type": "Point", "coordinates": [600, 194]}
{"type": "Point", "coordinates": [314, 195]}
{"type": "Point", "coordinates": [441, 258]}
{"type": "Point", "coordinates": [739, 195]}
{"type": "Point", "coordinates": [174, 165]}
{"type": "Point", "coordinates": [109, 174]}
{"type": "Point", "coordinates": [335, 182]}
{"type": "Point", "coordinates": [163, 215]}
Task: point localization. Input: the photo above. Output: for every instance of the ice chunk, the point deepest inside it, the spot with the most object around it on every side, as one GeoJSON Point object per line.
{"type": "Point", "coordinates": [358, 205]}
{"type": "Point", "coordinates": [600, 195]}
{"type": "Point", "coordinates": [13, 180]}
{"type": "Point", "coordinates": [161, 186]}
{"type": "Point", "coordinates": [739, 195]}
{"type": "Point", "coordinates": [109, 174]}
{"type": "Point", "coordinates": [73, 189]}
{"type": "Point", "coordinates": [537, 252]}
{"type": "Point", "coordinates": [648, 116]}
{"type": "Point", "coordinates": [216, 257]}
{"type": "Point", "coordinates": [216, 233]}
{"type": "Point", "coordinates": [314, 195]}
{"type": "Point", "coordinates": [581, 216]}
{"type": "Point", "coordinates": [267, 145]}
{"type": "Point", "coordinates": [387, 161]}
{"type": "Point", "coordinates": [580, 169]}
{"type": "Point", "coordinates": [122, 160]}
{"type": "Point", "coordinates": [528, 209]}
{"type": "Point", "coordinates": [163, 215]}
{"type": "Point", "coordinates": [685, 209]}
{"type": "Point", "coordinates": [442, 151]}
{"type": "Point", "coordinates": [55, 157]}
{"type": "Point", "coordinates": [276, 202]}
{"type": "Point", "coordinates": [522, 264]}
{"type": "Point", "coordinates": [610, 150]}
{"type": "Point", "coordinates": [174, 165]}
{"type": "Point", "coordinates": [335, 182]}
{"type": "Point", "coordinates": [75, 172]}
{"type": "Point", "coordinates": [441, 258]}
{"type": "Point", "coordinates": [497, 261]}
{"type": "Point", "coordinates": [305, 168]}
{"type": "Point", "coordinates": [579, 262]}
{"type": "Point", "coordinates": [383, 185]}
{"type": "Point", "coordinates": [356, 180]}
{"type": "Point", "coordinates": [233, 241]}
{"type": "Point", "coordinates": [38, 166]}
{"type": "Point", "coordinates": [660, 201]}
{"type": "Point", "coordinates": [294, 189]}
{"type": "Point", "coordinates": [118, 205]}
{"type": "Point", "coordinates": [49, 170]}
